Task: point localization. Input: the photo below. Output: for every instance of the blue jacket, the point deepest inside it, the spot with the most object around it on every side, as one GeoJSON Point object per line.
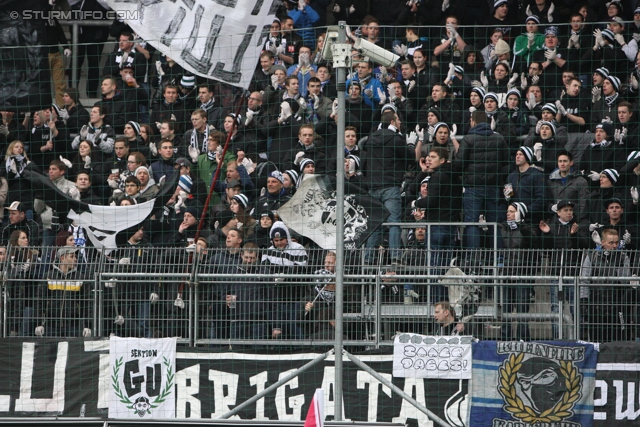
{"type": "Point", "coordinates": [373, 84]}
{"type": "Point", "coordinates": [305, 19]}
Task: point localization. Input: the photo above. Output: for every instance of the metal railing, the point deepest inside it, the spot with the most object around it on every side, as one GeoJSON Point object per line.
{"type": "Point", "coordinates": [154, 292]}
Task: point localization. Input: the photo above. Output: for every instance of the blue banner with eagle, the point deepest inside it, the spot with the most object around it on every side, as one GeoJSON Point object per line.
{"type": "Point", "coordinates": [542, 384]}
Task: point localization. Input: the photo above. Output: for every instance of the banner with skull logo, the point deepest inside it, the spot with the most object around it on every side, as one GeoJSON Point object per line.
{"type": "Point", "coordinates": [311, 212]}
{"type": "Point", "coordinates": [142, 375]}
{"type": "Point", "coordinates": [540, 384]}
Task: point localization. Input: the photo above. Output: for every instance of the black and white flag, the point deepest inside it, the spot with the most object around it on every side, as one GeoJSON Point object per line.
{"type": "Point", "coordinates": [101, 223]}
{"type": "Point", "coordinates": [311, 212]}
{"type": "Point", "coordinates": [220, 39]}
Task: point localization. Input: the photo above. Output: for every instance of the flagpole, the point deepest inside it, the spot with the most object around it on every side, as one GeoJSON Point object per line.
{"type": "Point", "coordinates": [341, 83]}
{"type": "Point", "coordinates": [216, 176]}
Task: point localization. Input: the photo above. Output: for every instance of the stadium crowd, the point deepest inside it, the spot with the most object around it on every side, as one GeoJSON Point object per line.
{"type": "Point", "coordinates": [514, 112]}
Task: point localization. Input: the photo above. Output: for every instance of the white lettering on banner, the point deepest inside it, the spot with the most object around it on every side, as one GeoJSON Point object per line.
{"type": "Point", "coordinates": [423, 356]}
{"type": "Point", "coordinates": [221, 400]}
{"type": "Point", "coordinates": [602, 401]}
{"type": "Point", "coordinates": [218, 40]}
{"type": "Point", "coordinates": [259, 382]}
{"type": "Point", "coordinates": [329, 386]}
{"type": "Point", "coordinates": [295, 402]}
{"type": "Point", "coordinates": [364, 378]}
{"type": "Point", "coordinates": [629, 413]}
{"type": "Point", "coordinates": [414, 387]}
{"type": "Point", "coordinates": [188, 382]}
{"type": "Point", "coordinates": [104, 379]}
{"type": "Point", "coordinates": [54, 405]}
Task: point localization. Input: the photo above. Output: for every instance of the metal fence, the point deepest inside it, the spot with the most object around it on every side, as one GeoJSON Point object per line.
{"type": "Point", "coordinates": [159, 292]}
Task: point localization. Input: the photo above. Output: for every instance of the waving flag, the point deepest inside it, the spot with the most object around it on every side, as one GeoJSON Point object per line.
{"type": "Point", "coordinates": [311, 212]}
{"type": "Point", "coordinates": [101, 223]}
{"type": "Point", "coordinates": [315, 416]}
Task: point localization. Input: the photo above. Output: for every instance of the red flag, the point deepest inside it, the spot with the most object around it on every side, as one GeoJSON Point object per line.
{"type": "Point", "coordinates": [315, 416]}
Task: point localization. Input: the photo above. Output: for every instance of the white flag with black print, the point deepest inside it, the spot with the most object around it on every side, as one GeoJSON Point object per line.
{"type": "Point", "coordinates": [142, 373]}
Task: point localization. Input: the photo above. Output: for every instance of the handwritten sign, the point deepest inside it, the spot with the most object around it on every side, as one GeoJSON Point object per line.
{"type": "Point", "coordinates": [421, 356]}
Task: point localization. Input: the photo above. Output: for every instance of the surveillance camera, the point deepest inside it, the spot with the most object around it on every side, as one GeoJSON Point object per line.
{"type": "Point", "coordinates": [376, 53]}
{"type": "Point", "coordinates": [330, 38]}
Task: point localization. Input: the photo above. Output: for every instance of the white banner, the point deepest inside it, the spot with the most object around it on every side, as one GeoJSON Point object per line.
{"type": "Point", "coordinates": [216, 39]}
{"type": "Point", "coordinates": [421, 356]}
{"type": "Point", "coordinates": [142, 375]}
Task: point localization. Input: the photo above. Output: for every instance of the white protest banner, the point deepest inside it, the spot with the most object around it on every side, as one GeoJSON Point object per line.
{"type": "Point", "coordinates": [442, 357]}
{"type": "Point", "coordinates": [216, 39]}
{"type": "Point", "coordinates": [142, 378]}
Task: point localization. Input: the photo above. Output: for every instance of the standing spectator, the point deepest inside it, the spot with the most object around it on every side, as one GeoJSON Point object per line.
{"type": "Point", "coordinates": [573, 108]}
{"type": "Point", "coordinates": [388, 155]}
{"type": "Point", "coordinates": [126, 54]}
{"type": "Point", "coordinates": [214, 111]}
{"type": "Point", "coordinates": [610, 309]}
{"type": "Point", "coordinates": [115, 108]}
{"type": "Point", "coordinates": [288, 257]}
{"type": "Point", "coordinates": [18, 221]}
{"type": "Point", "coordinates": [303, 17]}
{"type": "Point", "coordinates": [371, 87]}
{"type": "Point", "coordinates": [96, 132]}
{"type": "Point", "coordinates": [445, 320]}
{"type": "Point", "coordinates": [518, 239]}
{"type": "Point", "coordinates": [139, 294]}
{"type": "Point", "coordinates": [526, 185]}
{"type": "Point", "coordinates": [74, 113]}
{"type": "Point", "coordinates": [275, 196]}
{"type": "Point", "coordinates": [164, 165]}
{"type": "Point", "coordinates": [48, 138]}
{"type": "Point", "coordinates": [483, 161]}
{"type": "Point", "coordinates": [169, 109]}
{"type": "Point", "coordinates": [564, 233]}
{"type": "Point", "coordinates": [91, 43]}
{"type": "Point", "coordinates": [565, 183]}
{"type": "Point", "coordinates": [56, 38]}
{"type": "Point", "coordinates": [67, 310]}
{"type": "Point", "coordinates": [49, 217]}
{"type": "Point", "coordinates": [442, 204]}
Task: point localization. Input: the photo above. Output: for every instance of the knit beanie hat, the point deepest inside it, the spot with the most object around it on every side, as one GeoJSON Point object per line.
{"type": "Point", "coordinates": [185, 183]}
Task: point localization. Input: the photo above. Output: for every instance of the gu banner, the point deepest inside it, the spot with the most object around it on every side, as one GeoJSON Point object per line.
{"type": "Point", "coordinates": [421, 356]}
{"type": "Point", "coordinates": [24, 74]}
{"type": "Point", "coordinates": [219, 39]}
{"type": "Point", "coordinates": [540, 384]}
{"type": "Point", "coordinates": [142, 375]}
{"type": "Point", "coordinates": [311, 212]}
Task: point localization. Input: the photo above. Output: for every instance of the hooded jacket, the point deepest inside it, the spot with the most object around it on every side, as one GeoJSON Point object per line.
{"type": "Point", "coordinates": [293, 255]}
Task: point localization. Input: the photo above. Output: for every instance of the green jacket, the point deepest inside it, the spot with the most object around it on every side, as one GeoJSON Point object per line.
{"type": "Point", "coordinates": [205, 169]}
{"type": "Point", "coordinates": [521, 48]}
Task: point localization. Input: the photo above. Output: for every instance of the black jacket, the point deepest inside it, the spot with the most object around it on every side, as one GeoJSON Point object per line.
{"type": "Point", "coordinates": [483, 157]}
{"type": "Point", "coordinates": [445, 196]}
{"type": "Point", "coordinates": [387, 158]}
